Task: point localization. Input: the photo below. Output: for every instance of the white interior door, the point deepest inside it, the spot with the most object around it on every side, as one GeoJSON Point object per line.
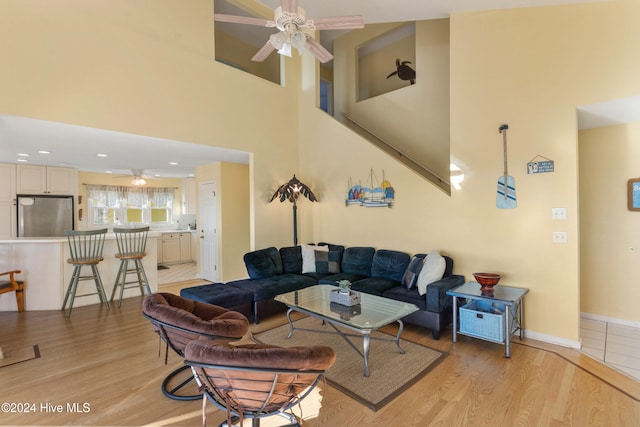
{"type": "Point", "coordinates": [207, 230]}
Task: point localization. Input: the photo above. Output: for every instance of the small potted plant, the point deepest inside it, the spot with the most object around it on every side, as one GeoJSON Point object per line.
{"type": "Point", "coordinates": [344, 286]}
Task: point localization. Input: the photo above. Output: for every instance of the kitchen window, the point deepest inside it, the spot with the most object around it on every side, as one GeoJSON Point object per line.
{"type": "Point", "coordinates": [118, 205]}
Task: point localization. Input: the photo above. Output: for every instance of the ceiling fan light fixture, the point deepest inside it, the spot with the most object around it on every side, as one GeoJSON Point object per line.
{"type": "Point", "coordinates": [278, 40]}
{"type": "Point", "coordinates": [299, 41]}
{"type": "Point", "coordinates": [138, 181]}
{"type": "Point", "coordinates": [285, 50]}
{"type": "Point", "coordinates": [295, 30]}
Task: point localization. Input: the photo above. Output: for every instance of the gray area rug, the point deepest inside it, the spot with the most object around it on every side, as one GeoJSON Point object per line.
{"type": "Point", "coordinates": [391, 372]}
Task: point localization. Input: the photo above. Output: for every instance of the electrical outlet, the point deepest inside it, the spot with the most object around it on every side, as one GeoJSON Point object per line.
{"type": "Point", "coordinates": [559, 237]}
{"type": "Point", "coordinates": [558, 213]}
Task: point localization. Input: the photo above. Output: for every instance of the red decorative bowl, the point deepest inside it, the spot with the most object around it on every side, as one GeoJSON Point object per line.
{"type": "Point", "coordinates": [487, 280]}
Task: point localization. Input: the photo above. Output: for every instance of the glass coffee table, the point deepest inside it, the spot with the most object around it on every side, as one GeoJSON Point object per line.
{"type": "Point", "coordinates": [371, 314]}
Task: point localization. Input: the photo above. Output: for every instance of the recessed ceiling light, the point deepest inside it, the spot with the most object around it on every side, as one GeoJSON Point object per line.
{"type": "Point", "coordinates": [102, 155]}
{"type": "Point", "coordinates": [22, 160]}
{"type": "Point", "coordinates": [108, 171]}
{"type": "Point", "coordinates": [44, 151]}
{"type": "Point", "coordinates": [23, 154]}
{"type": "Point", "coordinates": [173, 163]}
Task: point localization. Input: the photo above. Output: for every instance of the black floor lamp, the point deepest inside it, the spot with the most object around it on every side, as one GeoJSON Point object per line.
{"type": "Point", "coordinates": [291, 191]}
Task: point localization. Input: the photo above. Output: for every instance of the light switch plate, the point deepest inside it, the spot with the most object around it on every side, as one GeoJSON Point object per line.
{"type": "Point", "coordinates": [558, 213]}
{"type": "Point", "coordinates": [559, 237]}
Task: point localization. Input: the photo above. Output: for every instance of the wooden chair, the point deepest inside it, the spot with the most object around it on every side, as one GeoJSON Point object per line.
{"type": "Point", "coordinates": [254, 381]}
{"type": "Point", "coordinates": [12, 285]}
{"type": "Point", "coordinates": [132, 243]}
{"type": "Point", "coordinates": [178, 321]}
{"type": "Point", "coordinates": [86, 251]}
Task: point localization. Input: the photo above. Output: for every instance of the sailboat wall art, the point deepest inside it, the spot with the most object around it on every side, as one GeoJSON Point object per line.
{"type": "Point", "coordinates": [374, 194]}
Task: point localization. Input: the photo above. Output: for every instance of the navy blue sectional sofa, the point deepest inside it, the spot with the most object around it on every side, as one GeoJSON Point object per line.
{"type": "Point", "coordinates": [379, 272]}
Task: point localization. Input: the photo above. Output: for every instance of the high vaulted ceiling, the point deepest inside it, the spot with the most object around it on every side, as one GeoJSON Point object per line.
{"type": "Point", "coordinates": [77, 146]}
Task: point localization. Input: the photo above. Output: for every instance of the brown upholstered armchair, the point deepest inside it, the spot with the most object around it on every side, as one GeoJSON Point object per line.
{"type": "Point", "coordinates": [254, 381]}
{"type": "Point", "coordinates": [179, 320]}
{"type": "Point", "coordinates": [12, 285]}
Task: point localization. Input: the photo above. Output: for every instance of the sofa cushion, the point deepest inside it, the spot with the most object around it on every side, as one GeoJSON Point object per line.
{"type": "Point", "coordinates": [374, 285]}
{"type": "Point", "coordinates": [268, 288]}
{"type": "Point", "coordinates": [390, 265]}
{"type": "Point", "coordinates": [357, 260]}
{"type": "Point", "coordinates": [263, 263]}
{"type": "Point", "coordinates": [433, 269]}
{"type": "Point", "coordinates": [309, 257]}
{"type": "Point", "coordinates": [327, 262]}
{"type": "Point", "coordinates": [410, 276]}
{"type": "Point", "coordinates": [401, 293]}
{"type": "Point", "coordinates": [218, 294]}
{"type": "Point", "coordinates": [332, 247]}
{"type": "Point", "coordinates": [332, 279]}
{"type": "Point", "coordinates": [291, 257]}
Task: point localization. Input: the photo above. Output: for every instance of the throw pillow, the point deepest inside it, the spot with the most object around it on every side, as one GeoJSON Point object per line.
{"type": "Point", "coordinates": [309, 257]}
{"type": "Point", "coordinates": [410, 277]}
{"type": "Point", "coordinates": [327, 262]}
{"type": "Point", "coordinates": [432, 270]}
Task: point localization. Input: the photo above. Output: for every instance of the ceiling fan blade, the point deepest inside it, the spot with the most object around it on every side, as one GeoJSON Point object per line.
{"type": "Point", "coordinates": [265, 51]}
{"type": "Point", "coordinates": [318, 50]}
{"type": "Point", "coordinates": [339, 22]}
{"type": "Point", "coordinates": [221, 17]}
{"type": "Point", "coordinates": [290, 6]}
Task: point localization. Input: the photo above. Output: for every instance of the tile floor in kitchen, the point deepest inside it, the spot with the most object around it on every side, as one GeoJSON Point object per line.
{"type": "Point", "coordinates": [177, 273]}
{"type": "Point", "coordinates": [615, 344]}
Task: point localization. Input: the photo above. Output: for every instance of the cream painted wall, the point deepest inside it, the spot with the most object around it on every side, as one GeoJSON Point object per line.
{"type": "Point", "coordinates": [529, 68]}
{"type": "Point", "coordinates": [239, 54]}
{"type": "Point", "coordinates": [236, 237]}
{"type": "Point", "coordinates": [374, 67]}
{"type": "Point", "coordinates": [146, 67]}
{"type": "Point", "coordinates": [609, 267]}
{"type": "Point", "coordinates": [414, 118]}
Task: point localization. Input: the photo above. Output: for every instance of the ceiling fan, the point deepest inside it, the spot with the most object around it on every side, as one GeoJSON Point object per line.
{"type": "Point", "coordinates": [138, 177]}
{"type": "Point", "coordinates": [294, 30]}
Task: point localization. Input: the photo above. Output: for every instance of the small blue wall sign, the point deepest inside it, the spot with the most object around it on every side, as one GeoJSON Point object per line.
{"type": "Point", "coordinates": [540, 166]}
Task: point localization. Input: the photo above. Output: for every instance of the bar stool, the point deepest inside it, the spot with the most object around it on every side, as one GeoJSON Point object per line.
{"type": "Point", "coordinates": [132, 243]}
{"type": "Point", "coordinates": [86, 251]}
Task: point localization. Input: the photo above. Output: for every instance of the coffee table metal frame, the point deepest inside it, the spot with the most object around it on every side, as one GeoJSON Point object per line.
{"type": "Point", "coordinates": [377, 312]}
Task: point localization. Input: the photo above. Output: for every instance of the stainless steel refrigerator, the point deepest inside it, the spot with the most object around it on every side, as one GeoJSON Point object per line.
{"type": "Point", "coordinates": [44, 216]}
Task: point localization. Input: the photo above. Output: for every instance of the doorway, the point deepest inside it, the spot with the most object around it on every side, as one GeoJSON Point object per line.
{"type": "Point", "coordinates": [207, 230]}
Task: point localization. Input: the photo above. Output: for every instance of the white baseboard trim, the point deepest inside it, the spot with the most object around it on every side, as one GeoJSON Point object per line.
{"type": "Point", "coordinates": [617, 321]}
{"type": "Point", "coordinates": [550, 339]}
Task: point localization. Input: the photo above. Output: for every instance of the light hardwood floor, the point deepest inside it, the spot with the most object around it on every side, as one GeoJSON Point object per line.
{"type": "Point", "coordinates": [109, 360]}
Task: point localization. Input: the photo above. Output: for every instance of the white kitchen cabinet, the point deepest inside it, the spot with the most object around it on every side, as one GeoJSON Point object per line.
{"type": "Point", "coordinates": [33, 179]}
{"type": "Point", "coordinates": [189, 196]}
{"type": "Point", "coordinates": [7, 200]}
{"type": "Point", "coordinates": [185, 247]}
{"type": "Point", "coordinates": [159, 245]}
{"type": "Point", "coordinates": [176, 247]}
{"type": "Point", "coordinates": [170, 248]}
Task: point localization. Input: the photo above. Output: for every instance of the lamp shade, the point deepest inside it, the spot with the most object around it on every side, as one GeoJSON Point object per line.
{"type": "Point", "coordinates": [299, 41]}
{"type": "Point", "coordinates": [278, 40]}
{"type": "Point", "coordinates": [291, 190]}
